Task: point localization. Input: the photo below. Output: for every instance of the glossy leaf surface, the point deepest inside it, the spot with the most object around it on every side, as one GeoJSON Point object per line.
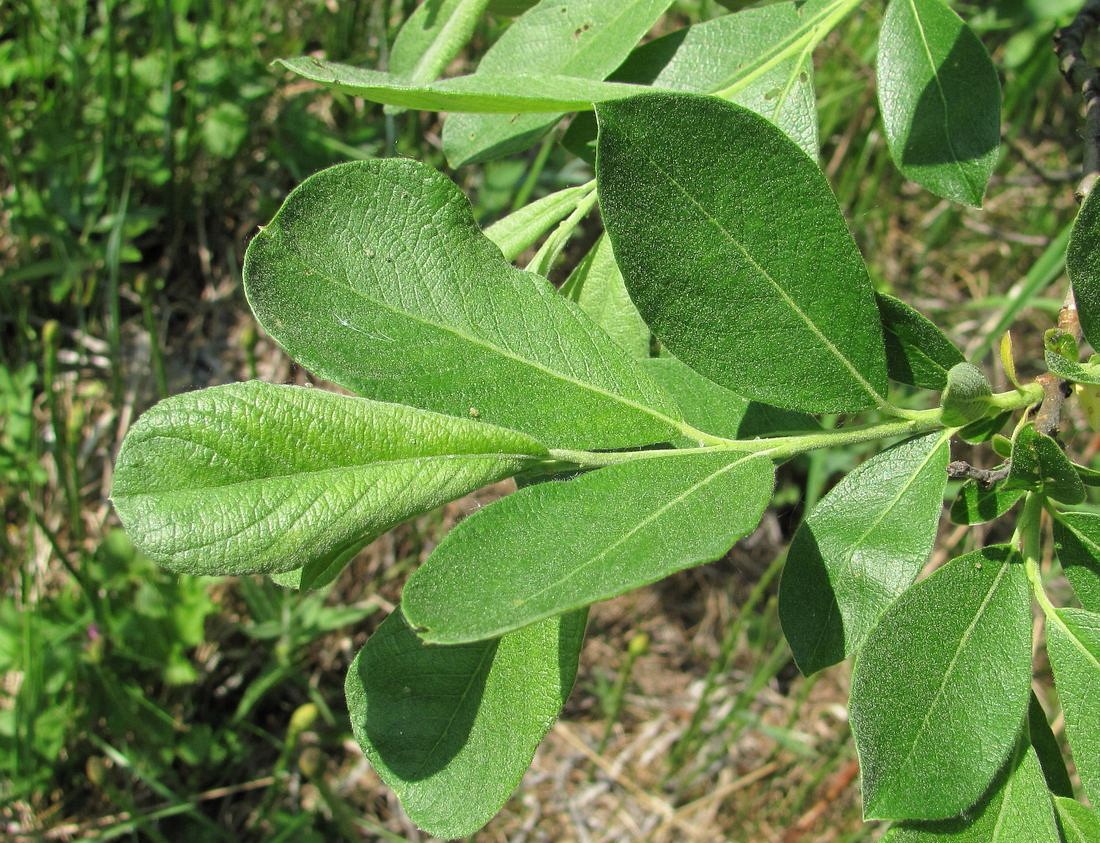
{"type": "Point", "coordinates": [256, 478]}
{"type": "Point", "coordinates": [1083, 266]}
{"type": "Point", "coordinates": [452, 729]}
{"type": "Point", "coordinates": [375, 276]}
{"type": "Point", "coordinates": [1077, 540]}
{"type": "Point", "coordinates": [1073, 644]}
{"type": "Point", "coordinates": [597, 286]}
{"type": "Point", "coordinates": [1017, 810]}
{"type": "Point", "coordinates": [917, 352]}
{"type": "Point", "coordinates": [930, 733]}
{"type": "Point", "coordinates": [558, 546]}
{"type": "Point", "coordinates": [702, 233]}
{"type": "Point", "coordinates": [586, 39]}
{"type": "Point", "coordinates": [860, 548]}
{"type": "Point", "coordinates": [940, 99]}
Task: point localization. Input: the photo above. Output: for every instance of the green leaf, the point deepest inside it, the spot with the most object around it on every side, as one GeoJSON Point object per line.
{"type": "Point", "coordinates": [597, 286]}
{"type": "Point", "coordinates": [555, 547]}
{"type": "Point", "coordinates": [978, 504]}
{"type": "Point", "coordinates": [318, 573]}
{"type": "Point", "coordinates": [1077, 540]}
{"type": "Point", "coordinates": [375, 276]}
{"type": "Point", "coordinates": [985, 430]}
{"type": "Point", "coordinates": [1071, 370]}
{"type": "Point", "coordinates": [1083, 266]}
{"type": "Point", "coordinates": [520, 230]}
{"type": "Point", "coordinates": [514, 94]}
{"type": "Point", "coordinates": [256, 478]}
{"type": "Point", "coordinates": [940, 99]}
{"type": "Point", "coordinates": [860, 548]}
{"type": "Point", "coordinates": [1047, 749]}
{"type": "Point", "coordinates": [966, 396]}
{"type": "Point", "coordinates": [1073, 644]}
{"type": "Point", "coordinates": [451, 730]}
{"type": "Point", "coordinates": [940, 689]}
{"type": "Point", "coordinates": [713, 408]}
{"type": "Point", "coordinates": [1017, 809]}
{"type": "Point", "coordinates": [1078, 823]}
{"type": "Point", "coordinates": [432, 36]}
{"type": "Point", "coordinates": [586, 39]}
{"type": "Point", "coordinates": [1040, 464]}
{"type": "Point", "coordinates": [703, 234]}
{"type": "Point", "coordinates": [917, 352]}
{"type": "Point", "coordinates": [737, 51]}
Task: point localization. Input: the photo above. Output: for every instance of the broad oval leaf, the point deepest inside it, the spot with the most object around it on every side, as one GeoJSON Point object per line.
{"type": "Point", "coordinates": [555, 547]}
{"type": "Point", "coordinates": [860, 548]}
{"type": "Point", "coordinates": [757, 56]}
{"type": "Point", "coordinates": [452, 729]}
{"type": "Point", "coordinates": [1017, 809]}
{"type": "Point", "coordinates": [1040, 464]}
{"type": "Point", "coordinates": [375, 276]}
{"type": "Point", "coordinates": [710, 210]}
{"type": "Point", "coordinates": [483, 93]}
{"type": "Point", "coordinates": [714, 409]}
{"type": "Point", "coordinates": [1073, 644]}
{"type": "Point", "coordinates": [596, 285]}
{"type": "Point", "coordinates": [1077, 540]}
{"type": "Point", "coordinates": [940, 99]}
{"type": "Point", "coordinates": [256, 478]}
{"type": "Point", "coordinates": [432, 36]}
{"type": "Point", "coordinates": [917, 352]}
{"type": "Point", "coordinates": [940, 689]}
{"type": "Point", "coordinates": [1083, 266]}
{"type": "Point", "coordinates": [978, 504]}
{"type": "Point", "coordinates": [586, 39]}
{"type": "Point", "coordinates": [1078, 823]}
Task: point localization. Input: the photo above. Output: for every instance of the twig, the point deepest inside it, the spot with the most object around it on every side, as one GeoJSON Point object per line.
{"type": "Point", "coordinates": [1083, 77]}
{"type": "Point", "coordinates": [960, 469]}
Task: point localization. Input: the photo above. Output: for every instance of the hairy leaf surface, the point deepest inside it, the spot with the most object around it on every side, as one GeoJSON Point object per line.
{"type": "Point", "coordinates": [940, 689]}
{"type": "Point", "coordinates": [1040, 464]}
{"type": "Point", "coordinates": [714, 409]}
{"type": "Point", "coordinates": [256, 478]}
{"type": "Point", "coordinates": [1078, 823]}
{"type": "Point", "coordinates": [702, 232]}
{"type": "Point", "coordinates": [520, 230]}
{"type": "Point", "coordinates": [432, 36]}
{"type": "Point", "coordinates": [860, 548]}
{"type": "Point", "coordinates": [375, 276]}
{"type": "Point", "coordinates": [917, 352]}
{"type": "Point", "coordinates": [1083, 266]}
{"type": "Point", "coordinates": [597, 286]}
{"type": "Point", "coordinates": [452, 729]}
{"type": "Point", "coordinates": [558, 546]}
{"type": "Point", "coordinates": [1077, 540]}
{"type": "Point", "coordinates": [940, 99]}
{"type": "Point", "coordinates": [586, 39]}
{"type": "Point", "coordinates": [1073, 644]}
{"type": "Point", "coordinates": [1017, 809]}
{"type": "Point", "coordinates": [1047, 749]}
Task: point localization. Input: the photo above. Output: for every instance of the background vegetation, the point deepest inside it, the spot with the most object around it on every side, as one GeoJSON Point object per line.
{"type": "Point", "coordinates": [141, 143]}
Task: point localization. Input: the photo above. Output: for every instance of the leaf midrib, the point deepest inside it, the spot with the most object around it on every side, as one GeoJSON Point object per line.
{"type": "Point", "coordinates": [791, 303]}
{"type": "Point", "coordinates": [942, 94]}
{"type": "Point", "coordinates": [479, 342]}
{"type": "Point", "coordinates": [645, 522]}
{"type": "Point", "coordinates": [319, 472]}
{"type": "Point", "coordinates": [882, 515]}
{"type": "Point", "coordinates": [964, 640]}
